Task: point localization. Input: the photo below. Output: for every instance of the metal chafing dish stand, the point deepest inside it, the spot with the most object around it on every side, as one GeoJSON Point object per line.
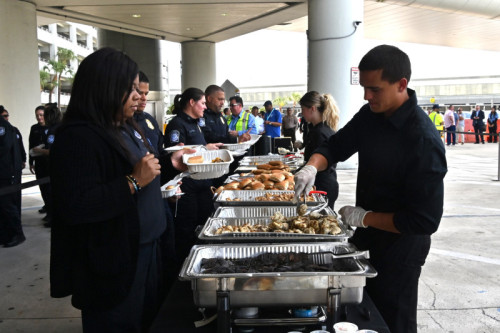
{"type": "Point", "coordinates": [273, 289]}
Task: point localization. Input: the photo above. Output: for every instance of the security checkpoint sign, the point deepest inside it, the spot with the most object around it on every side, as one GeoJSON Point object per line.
{"type": "Point", "coordinates": [354, 75]}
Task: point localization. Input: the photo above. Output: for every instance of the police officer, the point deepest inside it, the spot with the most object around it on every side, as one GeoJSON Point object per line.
{"type": "Point", "coordinates": [213, 123]}
{"type": "Point", "coordinates": [53, 117]}
{"type": "Point", "coordinates": [12, 161]}
{"type": "Point", "coordinates": [38, 165]}
{"type": "Point", "coordinates": [196, 205]}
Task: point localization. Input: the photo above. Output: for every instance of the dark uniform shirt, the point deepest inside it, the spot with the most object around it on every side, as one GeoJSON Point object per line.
{"type": "Point", "coordinates": [149, 201]}
{"type": "Point", "coordinates": [183, 129]}
{"type": "Point", "coordinates": [36, 138]}
{"type": "Point", "coordinates": [214, 127]}
{"type": "Point", "coordinates": [326, 180]}
{"type": "Point", "coordinates": [151, 131]}
{"type": "Point", "coordinates": [401, 168]}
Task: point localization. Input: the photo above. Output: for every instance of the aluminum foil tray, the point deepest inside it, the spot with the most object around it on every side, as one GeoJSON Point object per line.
{"type": "Point", "coordinates": [275, 288]}
{"type": "Point", "coordinates": [208, 170]}
{"type": "Point", "coordinates": [248, 198]}
{"type": "Point", "coordinates": [262, 211]}
{"type": "Point", "coordinates": [208, 232]}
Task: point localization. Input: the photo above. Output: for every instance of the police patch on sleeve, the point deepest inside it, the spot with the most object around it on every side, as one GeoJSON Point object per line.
{"type": "Point", "coordinates": [2, 130]}
{"type": "Point", "coordinates": [174, 136]}
{"type": "Point", "coordinates": [50, 139]}
{"type": "Point", "coordinates": [137, 135]}
{"type": "Point", "coordinates": [201, 122]}
{"type": "Point", "coordinates": [150, 124]}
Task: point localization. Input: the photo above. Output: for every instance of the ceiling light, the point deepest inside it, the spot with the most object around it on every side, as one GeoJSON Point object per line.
{"type": "Point", "coordinates": [188, 29]}
{"type": "Point", "coordinates": [136, 15]}
{"type": "Point", "coordinates": [223, 14]}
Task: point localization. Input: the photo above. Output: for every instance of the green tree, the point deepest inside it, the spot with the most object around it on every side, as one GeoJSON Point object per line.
{"type": "Point", "coordinates": [295, 98]}
{"type": "Point", "coordinates": [281, 101]}
{"type": "Point", "coordinates": [45, 80]}
{"type": "Point", "coordinates": [58, 67]}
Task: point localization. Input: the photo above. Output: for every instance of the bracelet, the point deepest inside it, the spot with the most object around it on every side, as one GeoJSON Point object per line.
{"type": "Point", "coordinates": [134, 183]}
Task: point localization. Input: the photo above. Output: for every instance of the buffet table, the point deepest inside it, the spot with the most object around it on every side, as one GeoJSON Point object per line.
{"type": "Point", "coordinates": [178, 314]}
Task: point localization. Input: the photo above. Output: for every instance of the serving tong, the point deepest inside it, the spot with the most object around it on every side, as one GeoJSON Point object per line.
{"type": "Point", "coordinates": [313, 208]}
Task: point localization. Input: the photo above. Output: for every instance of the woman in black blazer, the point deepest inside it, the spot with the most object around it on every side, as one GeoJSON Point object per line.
{"type": "Point", "coordinates": [108, 213]}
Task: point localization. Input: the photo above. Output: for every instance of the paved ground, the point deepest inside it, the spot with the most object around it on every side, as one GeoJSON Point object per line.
{"type": "Point", "coordinates": [459, 287]}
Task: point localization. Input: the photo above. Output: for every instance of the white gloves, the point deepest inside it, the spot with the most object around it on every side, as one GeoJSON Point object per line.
{"type": "Point", "coordinates": [353, 216]}
{"type": "Point", "coordinates": [304, 181]}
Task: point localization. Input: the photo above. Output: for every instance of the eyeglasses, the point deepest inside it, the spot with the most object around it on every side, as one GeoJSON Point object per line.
{"type": "Point", "coordinates": [233, 105]}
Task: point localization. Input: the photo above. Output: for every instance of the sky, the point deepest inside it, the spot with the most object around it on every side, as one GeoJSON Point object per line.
{"type": "Point", "coordinates": [271, 57]}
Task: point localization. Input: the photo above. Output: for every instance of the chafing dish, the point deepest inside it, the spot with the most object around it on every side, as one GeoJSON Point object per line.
{"type": "Point", "coordinates": [249, 198]}
{"type": "Point", "coordinates": [272, 289]}
{"type": "Point", "coordinates": [208, 233]}
{"type": "Point", "coordinates": [262, 211]}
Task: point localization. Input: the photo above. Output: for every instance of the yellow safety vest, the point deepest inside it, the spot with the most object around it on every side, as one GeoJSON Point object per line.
{"type": "Point", "coordinates": [242, 122]}
{"type": "Point", "coordinates": [436, 116]}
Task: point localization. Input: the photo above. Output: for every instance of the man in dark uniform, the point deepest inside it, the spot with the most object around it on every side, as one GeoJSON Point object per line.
{"type": "Point", "coordinates": [154, 135]}
{"type": "Point", "coordinates": [399, 195]}
{"type": "Point", "coordinates": [38, 165]}
{"type": "Point", "coordinates": [12, 162]}
{"type": "Point", "coordinates": [213, 124]}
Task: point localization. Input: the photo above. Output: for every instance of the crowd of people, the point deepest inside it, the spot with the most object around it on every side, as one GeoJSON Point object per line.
{"type": "Point", "coordinates": [452, 123]}
{"type": "Point", "coordinates": [117, 245]}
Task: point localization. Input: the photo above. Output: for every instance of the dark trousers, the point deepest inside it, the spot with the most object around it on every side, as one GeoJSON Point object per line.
{"type": "Point", "coordinates": [193, 209]}
{"type": "Point", "coordinates": [290, 132]}
{"type": "Point", "coordinates": [450, 135]}
{"type": "Point", "coordinates": [10, 211]}
{"type": "Point", "coordinates": [478, 130]}
{"type": "Point", "coordinates": [137, 312]}
{"type": "Point", "coordinates": [41, 171]}
{"type": "Point", "coordinates": [167, 250]}
{"type": "Point", "coordinates": [492, 130]}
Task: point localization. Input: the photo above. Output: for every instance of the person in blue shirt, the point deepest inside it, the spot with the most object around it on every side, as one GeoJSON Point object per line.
{"type": "Point", "coordinates": [241, 124]}
{"type": "Point", "coordinates": [272, 120]}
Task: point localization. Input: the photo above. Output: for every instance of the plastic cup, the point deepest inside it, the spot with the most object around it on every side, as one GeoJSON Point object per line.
{"type": "Point", "coordinates": [345, 327]}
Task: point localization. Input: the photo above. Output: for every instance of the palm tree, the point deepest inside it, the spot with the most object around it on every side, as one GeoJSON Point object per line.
{"type": "Point", "coordinates": [59, 66]}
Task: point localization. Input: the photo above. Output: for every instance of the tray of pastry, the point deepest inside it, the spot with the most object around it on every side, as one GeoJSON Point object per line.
{"type": "Point", "coordinates": [264, 198]}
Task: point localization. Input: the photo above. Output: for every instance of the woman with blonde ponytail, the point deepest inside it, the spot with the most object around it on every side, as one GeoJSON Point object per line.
{"type": "Point", "coordinates": [322, 112]}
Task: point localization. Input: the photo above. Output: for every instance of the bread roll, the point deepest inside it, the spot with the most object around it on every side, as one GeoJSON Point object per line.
{"type": "Point", "coordinates": [276, 163]}
{"type": "Point", "coordinates": [244, 183]}
{"type": "Point", "coordinates": [269, 185]}
{"type": "Point", "coordinates": [264, 166]}
{"type": "Point", "coordinates": [263, 177]}
{"type": "Point", "coordinates": [195, 159]}
{"type": "Point", "coordinates": [276, 171]}
{"type": "Point", "coordinates": [277, 177]}
{"type": "Point", "coordinates": [231, 186]}
{"type": "Point", "coordinates": [258, 171]}
{"type": "Point", "coordinates": [169, 187]}
{"type": "Point", "coordinates": [286, 173]}
{"type": "Point", "coordinates": [257, 185]}
{"type": "Point", "coordinates": [282, 185]}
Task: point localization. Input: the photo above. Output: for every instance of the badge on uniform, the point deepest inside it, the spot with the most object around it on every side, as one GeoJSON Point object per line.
{"type": "Point", "coordinates": [150, 124]}
{"type": "Point", "coordinates": [46, 131]}
{"type": "Point", "coordinates": [50, 139]}
{"type": "Point", "coordinates": [174, 136]}
{"type": "Point", "coordinates": [137, 135]}
{"type": "Point", "coordinates": [2, 130]}
{"type": "Point", "coordinates": [201, 122]}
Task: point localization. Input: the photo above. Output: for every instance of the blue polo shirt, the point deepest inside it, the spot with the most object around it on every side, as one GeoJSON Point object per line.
{"type": "Point", "coordinates": [273, 116]}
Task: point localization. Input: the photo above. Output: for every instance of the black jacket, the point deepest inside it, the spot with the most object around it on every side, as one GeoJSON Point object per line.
{"type": "Point", "coordinates": [215, 129]}
{"type": "Point", "coordinates": [95, 228]}
{"type": "Point", "coordinates": [36, 138]}
{"type": "Point", "coordinates": [12, 153]}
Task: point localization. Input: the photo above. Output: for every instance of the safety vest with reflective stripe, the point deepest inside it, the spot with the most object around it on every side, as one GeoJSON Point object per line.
{"type": "Point", "coordinates": [437, 119]}
{"type": "Point", "coordinates": [242, 122]}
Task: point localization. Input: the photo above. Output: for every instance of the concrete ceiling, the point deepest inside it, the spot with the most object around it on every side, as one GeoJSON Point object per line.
{"type": "Point", "coordinates": [471, 24]}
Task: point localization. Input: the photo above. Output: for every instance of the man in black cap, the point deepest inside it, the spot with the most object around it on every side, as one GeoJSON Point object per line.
{"type": "Point", "coordinates": [437, 118]}
{"type": "Point", "coordinates": [272, 120]}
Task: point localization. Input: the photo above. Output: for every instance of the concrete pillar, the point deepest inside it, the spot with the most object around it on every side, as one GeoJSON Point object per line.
{"type": "Point", "coordinates": [198, 64]}
{"type": "Point", "coordinates": [20, 83]}
{"type": "Point", "coordinates": [333, 50]}
{"type": "Point", "coordinates": [146, 52]}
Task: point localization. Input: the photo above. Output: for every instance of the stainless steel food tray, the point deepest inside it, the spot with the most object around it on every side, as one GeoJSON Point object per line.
{"type": "Point", "coordinates": [276, 288]}
{"type": "Point", "coordinates": [208, 232]}
{"type": "Point", "coordinates": [264, 159]}
{"type": "Point", "coordinates": [262, 211]}
{"type": "Point", "coordinates": [248, 198]}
